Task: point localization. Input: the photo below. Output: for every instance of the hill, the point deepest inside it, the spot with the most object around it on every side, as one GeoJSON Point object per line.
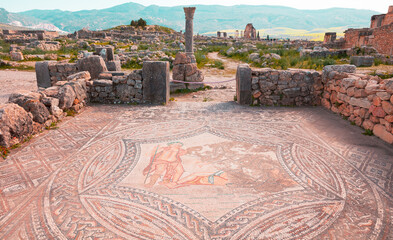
{"type": "Point", "coordinates": [208, 18]}
{"type": "Point", "coordinates": [25, 21]}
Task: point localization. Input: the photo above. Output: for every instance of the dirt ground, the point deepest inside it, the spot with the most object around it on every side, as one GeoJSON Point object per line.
{"type": "Point", "coordinates": [222, 82]}
{"type": "Point", "coordinates": [13, 81]}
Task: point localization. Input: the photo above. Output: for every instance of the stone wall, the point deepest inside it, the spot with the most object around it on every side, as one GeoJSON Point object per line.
{"type": "Point", "coordinates": [379, 36]}
{"type": "Point", "coordinates": [293, 87]}
{"type": "Point", "coordinates": [27, 113]}
{"type": "Point", "coordinates": [365, 100]}
{"type": "Point", "coordinates": [117, 89]}
{"type": "Point", "coordinates": [59, 71]}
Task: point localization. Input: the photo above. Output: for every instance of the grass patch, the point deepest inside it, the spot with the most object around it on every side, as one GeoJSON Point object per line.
{"type": "Point", "coordinates": [207, 99]}
{"type": "Point", "coordinates": [235, 98]}
{"type": "Point", "coordinates": [172, 99]}
{"type": "Point", "coordinates": [71, 113]}
{"type": "Point", "coordinates": [21, 68]}
{"type": "Point", "coordinates": [187, 90]}
{"type": "Point", "coordinates": [368, 132]}
{"type": "Point", "coordinates": [4, 152]}
{"type": "Point", "coordinates": [52, 126]}
{"type": "Point", "coordinates": [132, 64]}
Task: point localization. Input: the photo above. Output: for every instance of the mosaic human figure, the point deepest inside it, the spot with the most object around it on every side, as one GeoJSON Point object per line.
{"type": "Point", "coordinates": [165, 163]}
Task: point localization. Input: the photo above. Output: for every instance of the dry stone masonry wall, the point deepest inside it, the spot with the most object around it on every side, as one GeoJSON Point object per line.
{"type": "Point", "coordinates": [287, 88]}
{"type": "Point", "coordinates": [365, 100]}
{"type": "Point", "coordinates": [120, 88]}
{"type": "Point", "coordinates": [28, 113]}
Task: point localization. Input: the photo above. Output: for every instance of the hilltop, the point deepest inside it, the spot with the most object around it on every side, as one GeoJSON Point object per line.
{"type": "Point", "coordinates": [208, 18]}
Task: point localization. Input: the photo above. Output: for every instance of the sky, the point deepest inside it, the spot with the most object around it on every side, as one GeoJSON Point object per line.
{"type": "Point", "coordinates": [75, 5]}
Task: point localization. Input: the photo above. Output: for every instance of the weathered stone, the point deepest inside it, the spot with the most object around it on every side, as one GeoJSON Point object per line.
{"type": "Point", "coordinates": [380, 131]}
{"type": "Point", "coordinates": [384, 96]}
{"type": "Point", "coordinates": [360, 102]}
{"type": "Point", "coordinates": [15, 124]}
{"type": "Point", "coordinates": [156, 82]}
{"type": "Point", "coordinates": [367, 124]}
{"type": "Point", "coordinates": [377, 101]}
{"type": "Point", "coordinates": [105, 75]}
{"type": "Point", "coordinates": [243, 84]}
{"type": "Point", "coordinates": [387, 107]}
{"type": "Point", "coordinates": [66, 97]}
{"type": "Point", "coordinates": [196, 77]}
{"type": "Point", "coordinates": [377, 111]}
{"type": "Point", "coordinates": [362, 61]}
{"type": "Point", "coordinates": [80, 75]}
{"type": "Point", "coordinates": [389, 118]}
{"type": "Point", "coordinates": [38, 110]}
{"type": "Point", "coordinates": [42, 75]}
{"type": "Point", "coordinates": [340, 68]}
{"type": "Point", "coordinates": [189, 34]}
{"type": "Point", "coordinates": [182, 58]}
{"type": "Point", "coordinates": [361, 83]}
{"type": "Point", "coordinates": [102, 83]}
{"type": "Point", "coordinates": [113, 65]}
{"type": "Point", "coordinates": [348, 82]}
{"type": "Point", "coordinates": [178, 72]}
{"type": "Point", "coordinates": [80, 90]}
{"type": "Point", "coordinates": [326, 103]}
{"type": "Point", "coordinates": [93, 64]}
{"type": "Point", "coordinates": [389, 86]}
{"type": "Point", "coordinates": [52, 91]}
{"type": "Point", "coordinates": [16, 56]}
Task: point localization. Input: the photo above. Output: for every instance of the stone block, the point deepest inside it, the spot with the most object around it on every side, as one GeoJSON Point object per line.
{"type": "Point", "coordinates": [156, 82]}
{"type": "Point", "coordinates": [380, 131]}
{"type": "Point", "coordinates": [15, 124]}
{"type": "Point", "coordinates": [113, 65]}
{"type": "Point", "coordinates": [340, 68]}
{"type": "Point", "coordinates": [362, 61]}
{"type": "Point", "coordinates": [42, 74]}
{"type": "Point", "coordinates": [243, 84]}
{"type": "Point", "coordinates": [93, 64]}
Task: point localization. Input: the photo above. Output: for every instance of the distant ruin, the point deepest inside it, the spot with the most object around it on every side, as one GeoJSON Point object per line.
{"type": "Point", "coordinates": [379, 35]}
{"type": "Point", "coordinates": [250, 32]}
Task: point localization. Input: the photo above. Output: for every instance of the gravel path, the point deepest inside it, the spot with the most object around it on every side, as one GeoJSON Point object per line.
{"type": "Point", "coordinates": [15, 81]}
{"type": "Point", "coordinates": [221, 92]}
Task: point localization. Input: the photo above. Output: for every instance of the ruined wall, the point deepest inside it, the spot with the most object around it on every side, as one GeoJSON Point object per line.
{"type": "Point", "coordinates": [28, 113]}
{"type": "Point", "coordinates": [250, 32]}
{"type": "Point", "coordinates": [383, 39]}
{"type": "Point", "coordinates": [59, 71]}
{"type": "Point", "coordinates": [379, 36]}
{"type": "Point", "coordinates": [117, 89]}
{"type": "Point", "coordinates": [330, 37]}
{"type": "Point", "coordinates": [365, 100]}
{"type": "Point", "coordinates": [288, 88]}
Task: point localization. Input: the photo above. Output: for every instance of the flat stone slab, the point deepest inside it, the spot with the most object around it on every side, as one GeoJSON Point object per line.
{"type": "Point", "coordinates": [198, 171]}
{"type": "Point", "coordinates": [114, 73]}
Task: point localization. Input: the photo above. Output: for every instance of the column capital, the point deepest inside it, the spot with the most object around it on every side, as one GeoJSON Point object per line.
{"type": "Point", "coordinates": [189, 11]}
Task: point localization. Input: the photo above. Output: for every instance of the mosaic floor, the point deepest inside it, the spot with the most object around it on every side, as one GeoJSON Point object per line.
{"type": "Point", "coordinates": [199, 171]}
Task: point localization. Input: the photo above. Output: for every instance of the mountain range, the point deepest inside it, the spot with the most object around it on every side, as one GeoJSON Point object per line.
{"type": "Point", "coordinates": [208, 18]}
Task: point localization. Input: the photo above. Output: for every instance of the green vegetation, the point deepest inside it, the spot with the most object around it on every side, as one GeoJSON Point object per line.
{"type": "Point", "coordinates": [4, 152]}
{"type": "Point", "coordinates": [289, 58]}
{"type": "Point", "coordinates": [368, 132]}
{"type": "Point", "coordinates": [132, 64]}
{"type": "Point", "coordinates": [20, 67]}
{"type": "Point", "coordinates": [187, 90]}
{"type": "Point", "coordinates": [71, 113]}
{"type": "Point", "coordinates": [52, 126]}
{"type": "Point", "coordinates": [138, 23]}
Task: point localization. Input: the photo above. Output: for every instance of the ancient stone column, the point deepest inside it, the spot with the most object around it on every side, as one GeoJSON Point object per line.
{"type": "Point", "coordinates": [189, 11]}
